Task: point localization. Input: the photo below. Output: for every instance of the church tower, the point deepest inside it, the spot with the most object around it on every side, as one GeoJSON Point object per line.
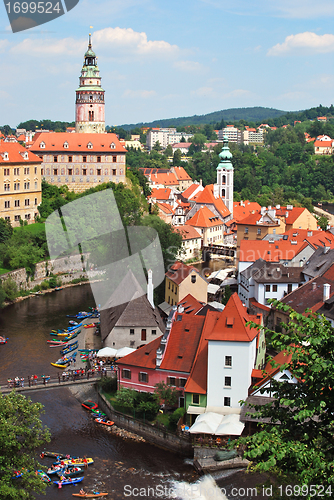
{"type": "Point", "coordinates": [89, 106]}
{"type": "Point", "coordinates": [225, 171]}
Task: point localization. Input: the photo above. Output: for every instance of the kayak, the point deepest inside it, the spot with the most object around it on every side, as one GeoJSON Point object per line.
{"type": "Point", "coordinates": [43, 476]}
{"type": "Point", "coordinates": [90, 405]}
{"type": "Point", "coordinates": [89, 495]}
{"type": "Point", "coordinates": [56, 470]}
{"type": "Point", "coordinates": [76, 461]}
{"type": "Point", "coordinates": [69, 348]}
{"type": "Point", "coordinates": [54, 454]}
{"type": "Point", "coordinates": [105, 422]}
{"type": "Point", "coordinates": [69, 481]}
{"type": "Point", "coordinates": [62, 366]}
{"type": "Point", "coordinates": [70, 472]}
{"type": "Point", "coordinates": [98, 412]}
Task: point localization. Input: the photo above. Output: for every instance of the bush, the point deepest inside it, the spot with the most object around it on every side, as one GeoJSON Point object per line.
{"type": "Point", "coordinates": [10, 288]}
{"type": "Point", "coordinates": [52, 282]}
{"type": "Point", "coordinates": [44, 285]}
{"type": "Point", "coordinates": [108, 384]}
{"type": "Point", "coordinates": [175, 417]}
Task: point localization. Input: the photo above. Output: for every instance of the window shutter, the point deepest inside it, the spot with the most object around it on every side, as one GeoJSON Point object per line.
{"type": "Point", "coordinates": [177, 382]}
{"type": "Point", "coordinates": [129, 374]}
{"type": "Point", "coordinates": [122, 373]}
{"type": "Point", "coordinates": [168, 380]}
{"type": "Point", "coordinates": [147, 377]}
{"type": "Point", "coordinates": [139, 377]}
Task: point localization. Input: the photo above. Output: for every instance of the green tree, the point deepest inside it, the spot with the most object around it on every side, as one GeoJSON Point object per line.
{"type": "Point", "coordinates": [168, 151]}
{"type": "Point", "coordinates": [126, 397]}
{"type": "Point", "coordinates": [166, 394]}
{"type": "Point", "coordinates": [197, 141]}
{"type": "Point", "coordinates": [10, 288]}
{"type": "Point", "coordinates": [21, 432]}
{"type": "Point", "coordinates": [2, 296]}
{"type": "Point", "coordinates": [298, 441]}
{"type": "Point", "coordinates": [6, 230]}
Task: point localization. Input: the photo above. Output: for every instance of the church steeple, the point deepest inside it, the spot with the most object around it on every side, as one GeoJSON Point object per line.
{"type": "Point", "coordinates": [225, 176]}
{"type": "Point", "coordinates": [89, 109]}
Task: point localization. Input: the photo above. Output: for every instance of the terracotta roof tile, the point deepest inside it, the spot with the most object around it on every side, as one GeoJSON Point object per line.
{"type": "Point", "coordinates": [181, 174]}
{"type": "Point", "coordinates": [179, 271]}
{"type": "Point", "coordinates": [231, 325]}
{"type": "Point", "coordinates": [251, 250]}
{"type": "Point", "coordinates": [206, 197]}
{"type": "Point", "coordinates": [187, 232]}
{"type": "Point", "coordinates": [204, 218]}
{"type": "Point", "coordinates": [160, 194]}
{"type": "Point", "coordinates": [54, 141]}
{"type": "Point", "coordinates": [16, 153]}
{"type": "Point", "coordinates": [144, 357]}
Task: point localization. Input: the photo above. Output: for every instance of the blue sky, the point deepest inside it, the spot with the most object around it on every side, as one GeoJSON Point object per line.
{"type": "Point", "coordinates": [162, 59]}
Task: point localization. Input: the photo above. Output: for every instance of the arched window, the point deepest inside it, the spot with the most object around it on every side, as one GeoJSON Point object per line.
{"type": "Point", "coordinates": [223, 193]}
{"type": "Point", "coordinates": [112, 145]}
{"type": "Point", "coordinates": [66, 145]}
{"type": "Point", "coordinates": [224, 179]}
{"type": "Point", "coordinates": [90, 145]}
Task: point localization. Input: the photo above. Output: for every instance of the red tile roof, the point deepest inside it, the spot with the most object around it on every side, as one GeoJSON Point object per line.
{"type": "Point", "coordinates": [242, 209]}
{"type": "Point", "coordinates": [181, 174]}
{"type": "Point", "coordinates": [182, 343]}
{"type": "Point", "coordinates": [190, 304]}
{"type": "Point", "coordinates": [251, 250]}
{"type": "Point", "coordinates": [187, 232]}
{"type": "Point", "coordinates": [206, 197]}
{"type": "Point", "coordinates": [323, 144]}
{"type": "Point", "coordinates": [16, 153]}
{"type": "Point", "coordinates": [197, 380]}
{"type": "Point", "coordinates": [272, 367]}
{"type": "Point", "coordinates": [231, 325]}
{"type": "Point", "coordinates": [54, 141]}
{"type": "Point", "coordinates": [187, 194]}
{"type": "Point", "coordinates": [144, 357]}
{"type": "Point", "coordinates": [252, 220]}
{"type": "Point", "coordinates": [166, 208]}
{"type": "Point", "coordinates": [179, 271]}
{"type": "Point", "coordinates": [204, 218]}
{"type": "Point", "coordinates": [290, 216]}
{"type": "Point", "coordinates": [160, 194]}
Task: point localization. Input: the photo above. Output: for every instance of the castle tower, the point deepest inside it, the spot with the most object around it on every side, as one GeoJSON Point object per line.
{"type": "Point", "coordinates": [89, 105]}
{"type": "Point", "coordinates": [225, 176]}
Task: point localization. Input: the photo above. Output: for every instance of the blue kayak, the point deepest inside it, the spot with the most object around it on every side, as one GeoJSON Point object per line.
{"type": "Point", "coordinates": [69, 480]}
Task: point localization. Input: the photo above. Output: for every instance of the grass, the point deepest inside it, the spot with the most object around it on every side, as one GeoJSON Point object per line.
{"type": "Point", "coordinates": [32, 228]}
{"type": "Point", "coordinates": [3, 270]}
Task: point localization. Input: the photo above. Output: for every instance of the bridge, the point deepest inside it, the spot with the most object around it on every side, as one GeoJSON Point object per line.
{"type": "Point", "coordinates": [225, 250]}
{"type": "Point", "coordinates": [67, 378]}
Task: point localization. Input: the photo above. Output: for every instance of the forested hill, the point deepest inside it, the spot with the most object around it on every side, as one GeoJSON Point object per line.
{"type": "Point", "coordinates": [254, 114]}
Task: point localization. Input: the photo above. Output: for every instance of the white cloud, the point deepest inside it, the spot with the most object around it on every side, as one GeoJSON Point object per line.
{"type": "Point", "coordinates": [37, 47]}
{"type": "Point", "coordinates": [188, 66]}
{"type": "Point", "coordinates": [238, 93]}
{"type": "Point", "coordinates": [132, 41]}
{"type": "Point", "coordinates": [139, 94]}
{"type": "Point", "coordinates": [306, 42]}
{"type": "Point", "coordinates": [3, 45]}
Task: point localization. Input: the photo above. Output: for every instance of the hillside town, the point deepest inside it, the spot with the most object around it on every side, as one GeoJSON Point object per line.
{"type": "Point", "coordinates": [205, 337]}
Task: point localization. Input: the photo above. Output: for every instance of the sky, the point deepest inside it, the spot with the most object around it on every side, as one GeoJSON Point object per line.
{"type": "Point", "coordinates": [164, 59]}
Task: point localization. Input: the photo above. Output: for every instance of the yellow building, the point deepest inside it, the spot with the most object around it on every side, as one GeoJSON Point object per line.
{"type": "Point", "coordinates": [182, 280]}
{"type": "Point", "coordinates": [20, 189]}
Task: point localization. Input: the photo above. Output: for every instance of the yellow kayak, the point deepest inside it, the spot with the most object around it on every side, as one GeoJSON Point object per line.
{"type": "Point", "coordinates": [60, 366]}
{"type": "Point", "coordinates": [78, 461]}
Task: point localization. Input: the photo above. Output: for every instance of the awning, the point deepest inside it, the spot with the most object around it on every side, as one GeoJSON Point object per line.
{"type": "Point", "coordinates": [195, 410]}
{"type": "Point", "coordinates": [212, 289]}
{"type": "Point", "coordinates": [124, 351]}
{"type": "Point", "coordinates": [106, 352]}
{"type": "Point", "coordinates": [217, 424]}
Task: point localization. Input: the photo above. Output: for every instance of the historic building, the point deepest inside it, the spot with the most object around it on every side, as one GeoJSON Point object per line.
{"type": "Point", "coordinates": [89, 156]}
{"type": "Point", "coordinates": [20, 186]}
{"type": "Point", "coordinates": [89, 106]}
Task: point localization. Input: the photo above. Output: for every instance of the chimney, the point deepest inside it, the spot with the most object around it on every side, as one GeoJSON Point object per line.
{"type": "Point", "coordinates": [150, 288]}
{"type": "Point", "coordinates": [327, 292]}
{"type": "Point", "coordinates": [314, 286]}
{"type": "Point", "coordinates": [180, 308]}
{"type": "Point", "coordinates": [200, 182]}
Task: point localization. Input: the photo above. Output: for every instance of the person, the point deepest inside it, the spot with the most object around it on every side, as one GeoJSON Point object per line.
{"type": "Point", "coordinates": [82, 492]}
{"type": "Point", "coordinates": [85, 462]}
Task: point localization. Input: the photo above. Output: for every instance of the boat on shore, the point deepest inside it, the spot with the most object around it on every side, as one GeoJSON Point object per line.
{"type": "Point", "coordinates": [70, 472]}
{"type": "Point", "coordinates": [70, 348]}
{"type": "Point", "coordinates": [89, 495]}
{"type": "Point", "coordinates": [54, 454]}
{"type": "Point", "coordinates": [89, 404]}
{"type": "Point", "coordinates": [103, 421]}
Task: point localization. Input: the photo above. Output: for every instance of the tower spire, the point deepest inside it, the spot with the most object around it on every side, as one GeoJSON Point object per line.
{"type": "Point", "coordinates": [89, 108]}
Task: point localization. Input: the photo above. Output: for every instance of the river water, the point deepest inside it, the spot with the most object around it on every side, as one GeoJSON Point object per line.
{"type": "Point", "coordinates": [120, 465]}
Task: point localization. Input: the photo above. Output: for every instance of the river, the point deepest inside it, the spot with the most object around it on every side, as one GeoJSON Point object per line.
{"type": "Point", "coordinates": [120, 465]}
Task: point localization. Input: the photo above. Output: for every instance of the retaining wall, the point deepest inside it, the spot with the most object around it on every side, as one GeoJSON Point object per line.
{"type": "Point", "coordinates": [150, 433]}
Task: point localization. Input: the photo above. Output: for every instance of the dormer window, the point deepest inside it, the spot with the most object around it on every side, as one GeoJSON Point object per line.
{"type": "Point", "coordinates": [66, 145]}
{"type": "Point", "coordinates": [42, 145]}
{"type": "Point", "coordinates": [90, 145]}
{"type": "Point", "coordinates": [5, 156]}
{"type": "Point", "coordinates": [112, 145]}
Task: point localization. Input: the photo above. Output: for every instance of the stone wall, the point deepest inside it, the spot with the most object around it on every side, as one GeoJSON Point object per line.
{"type": "Point", "coordinates": [151, 434]}
{"type": "Point", "coordinates": [69, 265]}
